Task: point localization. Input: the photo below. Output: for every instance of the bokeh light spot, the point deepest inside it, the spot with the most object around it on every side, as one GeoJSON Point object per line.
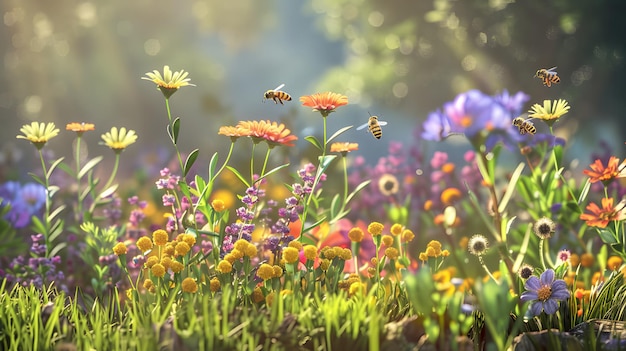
{"type": "Point", "coordinates": [152, 47]}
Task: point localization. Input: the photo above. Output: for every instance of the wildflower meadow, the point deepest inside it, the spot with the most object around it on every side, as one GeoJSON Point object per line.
{"type": "Point", "coordinates": [271, 249]}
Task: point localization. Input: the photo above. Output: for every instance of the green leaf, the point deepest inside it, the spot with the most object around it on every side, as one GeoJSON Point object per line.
{"type": "Point", "coordinates": [320, 221]}
{"type": "Point", "coordinates": [67, 169]}
{"type": "Point", "coordinates": [38, 225]}
{"type": "Point", "coordinates": [36, 178]}
{"type": "Point", "coordinates": [584, 191]}
{"type": "Point", "coordinates": [191, 159]}
{"type": "Point", "coordinates": [212, 166]}
{"type": "Point", "coordinates": [89, 166]}
{"type": "Point", "coordinates": [337, 133]}
{"type": "Point", "coordinates": [335, 206]}
{"type": "Point", "coordinates": [175, 130]}
{"type": "Point", "coordinates": [55, 213]}
{"type": "Point", "coordinates": [55, 250]}
{"type": "Point", "coordinates": [607, 237]}
{"type": "Point", "coordinates": [313, 140]}
{"type": "Point", "coordinates": [236, 172]}
{"type": "Point", "coordinates": [519, 260]}
{"type": "Point", "coordinates": [510, 188]}
{"type": "Point", "coordinates": [325, 161]}
{"type": "Point", "coordinates": [357, 189]}
{"type": "Point", "coordinates": [108, 192]}
{"type": "Point", "coordinates": [272, 171]}
{"type": "Point", "coordinates": [53, 167]}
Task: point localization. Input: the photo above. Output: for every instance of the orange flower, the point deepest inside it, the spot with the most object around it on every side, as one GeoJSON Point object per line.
{"type": "Point", "coordinates": [343, 147]}
{"type": "Point", "coordinates": [272, 132]}
{"type": "Point", "coordinates": [233, 132]}
{"type": "Point", "coordinates": [80, 128]}
{"type": "Point", "coordinates": [599, 173]}
{"type": "Point", "coordinates": [600, 217]}
{"type": "Point", "coordinates": [325, 103]}
{"type": "Point", "coordinates": [450, 196]}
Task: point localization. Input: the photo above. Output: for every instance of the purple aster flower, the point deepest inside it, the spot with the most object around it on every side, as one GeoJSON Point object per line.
{"type": "Point", "coordinates": [513, 103]}
{"type": "Point", "coordinates": [544, 292]}
{"type": "Point", "coordinates": [436, 127]}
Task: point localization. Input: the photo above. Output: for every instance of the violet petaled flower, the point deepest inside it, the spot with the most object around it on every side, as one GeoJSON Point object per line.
{"type": "Point", "coordinates": [544, 292]}
{"type": "Point", "coordinates": [436, 127]}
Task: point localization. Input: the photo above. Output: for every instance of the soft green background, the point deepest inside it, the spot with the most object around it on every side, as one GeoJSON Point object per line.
{"type": "Point", "coordinates": [65, 61]}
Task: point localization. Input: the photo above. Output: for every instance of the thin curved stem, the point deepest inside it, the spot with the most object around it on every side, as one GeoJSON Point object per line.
{"type": "Point", "coordinates": [48, 202]}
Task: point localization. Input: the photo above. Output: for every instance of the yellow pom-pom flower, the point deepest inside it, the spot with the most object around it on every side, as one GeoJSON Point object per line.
{"type": "Point", "coordinates": [189, 239]}
{"type": "Point", "coordinates": [296, 245]}
{"type": "Point", "coordinates": [144, 244]}
{"type": "Point", "coordinates": [160, 237]}
{"type": "Point", "coordinates": [148, 283]}
{"type": "Point", "coordinates": [291, 254]}
{"type": "Point", "coordinates": [265, 272]}
{"type": "Point", "coordinates": [310, 252]}
{"type": "Point", "coordinates": [375, 228]}
{"type": "Point", "coordinates": [176, 266]}
{"type": "Point", "coordinates": [182, 248]}
{"type": "Point", "coordinates": [345, 254]}
{"type": "Point", "coordinates": [392, 253]}
{"type": "Point", "coordinates": [407, 235]}
{"type": "Point", "coordinates": [237, 254]}
{"type": "Point", "coordinates": [158, 270]}
{"type": "Point", "coordinates": [356, 234]}
{"type": "Point", "coordinates": [278, 271]}
{"type": "Point", "coordinates": [189, 285]}
{"type": "Point", "coordinates": [257, 295]}
{"type": "Point", "coordinates": [214, 284]}
{"type": "Point", "coordinates": [224, 267]}
{"type": "Point", "coordinates": [396, 229]}
{"type": "Point", "coordinates": [241, 245]}
{"type": "Point", "coordinates": [218, 205]}
{"type": "Point", "coordinates": [387, 240]}
{"type": "Point", "coordinates": [120, 249]}
{"type": "Point", "coordinates": [251, 250]}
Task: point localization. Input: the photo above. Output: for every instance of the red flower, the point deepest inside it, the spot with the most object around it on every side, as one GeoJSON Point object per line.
{"type": "Point", "coordinates": [325, 103]}
{"type": "Point", "coordinates": [599, 173]}
{"type": "Point", "coordinates": [600, 217]}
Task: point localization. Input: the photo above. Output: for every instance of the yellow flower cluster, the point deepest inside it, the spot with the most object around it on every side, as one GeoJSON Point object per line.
{"type": "Point", "coordinates": [267, 271]}
{"type": "Point", "coordinates": [241, 249]}
{"type": "Point", "coordinates": [120, 249]}
{"type": "Point", "coordinates": [330, 253]}
{"type": "Point", "coordinates": [433, 249]}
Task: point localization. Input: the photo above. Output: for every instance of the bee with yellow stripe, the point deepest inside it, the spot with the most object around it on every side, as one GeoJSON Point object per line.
{"type": "Point", "coordinates": [525, 126]}
{"type": "Point", "coordinates": [548, 76]}
{"type": "Point", "coordinates": [277, 95]}
{"type": "Point", "coordinates": [373, 125]}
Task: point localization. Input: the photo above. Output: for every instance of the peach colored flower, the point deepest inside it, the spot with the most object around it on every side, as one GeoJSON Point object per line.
{"type": "Point", "coordinates": [272, 132]}
{"type": "Point", "coordinates": [325, 103]}
{"type": "Point", "coordinates": [600, 217]}
{"type": "Point", "coordinates": [343, 147]}
{"type": "Point", "coordinates": [80, 127]}
{"type": "Point", "coordinates": [613, 170]}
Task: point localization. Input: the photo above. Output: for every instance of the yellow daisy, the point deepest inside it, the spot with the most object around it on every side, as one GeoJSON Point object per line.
{"type": "Point", "coordinates": [169, 82]}
{"type": "Point", "coordinates": [551, 110]}
{"type": "Point", "coordinates": [119, 140]}
{"type": "Point", "coordinates": [38, 133]}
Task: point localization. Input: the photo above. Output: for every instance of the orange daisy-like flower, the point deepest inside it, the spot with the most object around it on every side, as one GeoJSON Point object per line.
{"type": "Point", "coordinates": [325, 103]}
{"type": "Point", "coordinates": [600, 217]}
{"type": "Point", "coordinates": [272, 132]}
{"type": "Point", "coordinates": [80, 128]}
{"type": "Point", "coordinates": [343, 147]}
{"type": "Point", "coordinates": [234, 132]}
{"type": "Point", "coordinates": [613, 170]}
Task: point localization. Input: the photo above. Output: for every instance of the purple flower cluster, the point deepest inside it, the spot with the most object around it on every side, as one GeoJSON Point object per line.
{"type": "Point", "coordinates": [36, 270]}
{"type": "Point", "coordinates": [483, 119]}
{"type": "Point", "coordinates": [24, 201]}
{"type": "Point", "coordinates": [243, 228]}
{"type": "Point", "coordinates": [294, 204]}
{"type": "Point", "coordinates": [167, 180]}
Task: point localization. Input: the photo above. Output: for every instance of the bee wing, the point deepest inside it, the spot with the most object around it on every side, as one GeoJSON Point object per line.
{"type": "Point", "coordinates": [362, 126]}
{"type": "Point", "coordinates": [280, 86]}
{"type": "Point", "coordinates": [551, 70]}
{"type": "Point", "coordinates": [382, 123]}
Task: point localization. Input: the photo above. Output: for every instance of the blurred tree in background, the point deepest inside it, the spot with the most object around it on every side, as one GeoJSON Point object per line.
{"type": "Point", "coordinates": [69, 61]}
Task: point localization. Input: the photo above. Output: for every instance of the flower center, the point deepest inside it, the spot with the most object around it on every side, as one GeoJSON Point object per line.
{"type": "Point", "coordinates": [544, 293]}
{"type": "Point", "coordinates": [466, 121]}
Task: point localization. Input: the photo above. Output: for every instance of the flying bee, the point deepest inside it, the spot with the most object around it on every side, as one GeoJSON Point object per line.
{"type": "Point", "coordinates": [525, 126]}
{"type": "Point", "coordinates": [373, 125]}
{"type": "Point", "coordinates": [548, 76]}
{"type": "Point", "coordinates": [277, 95]}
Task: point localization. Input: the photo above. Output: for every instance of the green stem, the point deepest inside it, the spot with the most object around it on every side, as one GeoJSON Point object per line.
{"type": "Point", "coordinates": [541, 254]}
{"type": "Point", "coordinates": [79, 205]}
{"type": "Point", "coordinates": [230, 152]}
{"type": "Point", "coordinates": [324, 150]}
{"type": "Point", "coordinates": [114, 172]}
{"type": "Point", "coordinates": [345, 181]}
{"type": "Point", "coordinates": [48, 203]}
{"type": "Point", "coordinates": [169, 118]}
{"type": "Point", "coordinates": [252, 164]}
{"type": "Point", "coordinates": [482, 263]}
{"type": "Point", "coordinates": [267, 156]}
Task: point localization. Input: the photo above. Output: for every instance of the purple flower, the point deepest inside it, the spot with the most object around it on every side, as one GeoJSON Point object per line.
{"type": "Point", "coordinates": [436, 127]}
{"type": "Point", "coordinates": [544, 292]}
{"type": "Point", "coordinates": [513, 103]}
{"type": "Point", "coordinates": [25, 201]}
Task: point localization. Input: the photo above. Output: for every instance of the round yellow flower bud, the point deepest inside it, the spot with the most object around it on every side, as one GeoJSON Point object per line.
{"type": "Point", "coordinates": [169, 249]}
{"type": "Point", "coordinates": [387, 240]}
{"type": "Point", "coordinates": [375, 228]}
{"type": "Point", "coordinates": [189, 285]}
{"type": "Point", "coordinates": [120, 249]}
{"type": "Point", "coordinates": [166, 262]}
{"type": "Point", "coordinates": [218, 205]}
{"type": "Point", "coordinates": [160, 237]}
{"type": "Point", "coordinates": [357, 288]}
{"type": "Point", "coordinates": [278, 271]}
{"type": "Point", "coordinates": [407, 235]}
{"type": "Point", "coordinates": [310, 252]}
{"type": "Point", "coordinates": [356, 234]}
{"type": "Point", "coordinates": [392, 253]}
{"type": "Point", "coordinates": [324, 264]}
{"type": "Point", "coordinates": [251, 251]}
{"type": "Point", "coordinates": [176, 266]}
{"type": "Point", "coordinates": [151, 261]}
{"type": "Point", "coordinates": [345, 254]}
{"type": "Point", "coordinates": [144, 243]}
{"type": "Point", "coordinates": [257, 295]}
{"type": "Point", "coordinates": [182, 248]}
{"type": "Point", "coordinates": [265, 271]}
{"type": "Point", "coordinates": [241, 245]}
{"type": "Point", "coordinates": [148, 283]}
{"type": "Point", "coordinates": [396, 229]}
{"type": "Point", "coordinates": [189, 239]}
{"type": "Point", "coordinates": [291, 254]}
{"type": "Point", "coordinates": [224, 267]}
{"type": "Point", "coordinates": [214, 284]}
{"type": "Point", "coordinates": [237, 254]}
{"type": "Point", "coordinates": [296, 244]}
{"type": "Point", "coordinates": [158, 270]}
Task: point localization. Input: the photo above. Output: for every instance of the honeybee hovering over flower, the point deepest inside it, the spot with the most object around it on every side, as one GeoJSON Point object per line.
{"type": "Point", "coordinates": [525, 126]}
{"type": "Point", "coordinates": [373, 125]}
{"type": "Point", "coordinates": [548, 76]}
{"type": "Point", "coordinates": [277, 95]}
